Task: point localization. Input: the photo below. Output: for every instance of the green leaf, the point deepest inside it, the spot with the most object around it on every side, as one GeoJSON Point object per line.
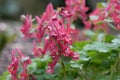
{"type": "Point", "coordinates": [101, 77]}
{"type": "Point", "coordinates": [94, 17]}
{"type": "Point", "coordinates": [111, 25]}
{"type": "Point", "coordinates": [79, 45]}
{"type": "Point", "coordinates": [97, 46]}
{"type": "Point", "coordinates": [115, 44]}
{"type": "Point", "coordinates": [96, 60]}
{"type": "Point", "coordinates": [58, 69]}
{"type": "Point", "coordinates": [89, 33]}
{"type": "Point", "coordinates": [109, 38]}
{"type": "Point", "coordinates": [65, 59]}
{"type": "Point", "coordinates": [108, 20]}
{"type": "Point", "coordinates": [45, 58]}
{"type": "Point", "coordinates": [92, 53]}
{"type": "Point", "coordinates": [75, 64]}
{"type": "Point", "coordinates": [101, 5]}
{"type": "Point", "coordinates": [112, 46]}
{"type": "Point", "coordinates": [116, 77]}
{"type": "Point", "coordinates": [5, 76]}
{"type": "Point", "coordinates": [116, 41]}
{"type": "Point", "coordinates": [32, 67]}
{"type": "Point", "coordinates": [84, 58]}
{"type": "Point", "coordinates": [100, 37]}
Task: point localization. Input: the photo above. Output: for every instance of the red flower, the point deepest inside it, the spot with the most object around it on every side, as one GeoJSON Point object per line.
{"type": "Point", "coordinates": [49, 12]}
{"type": "Point", "coordinates": [114, 11]}
{"type": "Point", "coordinates": [77, 8]}
{"type": "Point", "coordinates": [87, 24]}
{"type": "Point", "coordinates": [53, 31]}
{"type": "Point", "coordinates": [116, 16]}
{"type": "Point", "coordinates": [97, 19]}
{"type": "Point", "coordinates": [25, 61]}
{"type": "Point", "coordinates": [17, 58]}
{"type": "Point", "coordinates": [27, 25]}
{"type": "Point", "coordinates": [50, 68]}
{"type": "Point", "coordinates": [13, 67]}
{"type": "Point", "coordinates": [38, 52]}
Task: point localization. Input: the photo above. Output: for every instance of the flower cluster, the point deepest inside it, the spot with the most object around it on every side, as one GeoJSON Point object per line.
{"type": "Point", "coordinates": [53, 30]}
{"type": "Point", "coordinates": [109, 12]}
{"type": "Point", "coordinates": [18, 59]}
{"type": "Point", "coordinates": [99, 17]}
{"type": "Point", "coordinates": [78, 8]}
{"type": "Point", "coordinates": [114, 10]}
{"type": "Point", "coordinates": [54, 35]}
{"type": "Point", "coordinates": [27, 26]}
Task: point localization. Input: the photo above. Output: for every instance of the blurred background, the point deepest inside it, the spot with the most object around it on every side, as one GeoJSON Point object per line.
{"type": "Point", "coordinates": [10, 12]}
{"type": "Point", "coordinates": [12, 9]}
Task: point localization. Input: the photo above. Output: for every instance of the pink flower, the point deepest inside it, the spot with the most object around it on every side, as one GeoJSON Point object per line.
{"type": "Point", "coordinates": [116, 16]}
{"type": "Point", "coordinates": [27, 25]}
{"type": "Point", "coordinates": [113, 9]}
{"type": "Point", "coordinates": [65, 13]}
{"type": "Point", "coordinates": [54, 32]}
{"type": "Point", "coordinates": [49, 12]}
{"type": "Point", "coordinates": [74, 56]}
{"type": "Point", "coordinates": [50, 68]}
{"type": "Point", "coordinates": [13, 67]}
{"type": "Point", "coordinates": [87, 24]}
{"type": "Point", "coordinates": [97, 20]}
{"type": "Point", "coordinates": [17, 58]}
{"type": "Point", "coordinates": [77, 8]}
{"type": "Point", "coordinates": [25, 61]}
{"type": "Point", "coordinates": [38, 52]}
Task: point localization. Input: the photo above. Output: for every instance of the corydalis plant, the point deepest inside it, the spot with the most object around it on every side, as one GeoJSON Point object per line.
{"type": "Point", "coordinates": [78, 8]}
{"type": "Point", "coordinates": [104, 16]}
{"type": "Point", "coordinates": [18, 59]}
{"type": "Point", "coordinates": [53, 33]}
{"type": "Point", "coordinates": [53, 30]}
{"type": "Point", "coordinates": [114, 12]}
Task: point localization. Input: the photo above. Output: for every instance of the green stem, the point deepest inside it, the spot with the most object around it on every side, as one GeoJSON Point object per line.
{"type": "Point", "coordinates": [104, 36]}
{"type": "Point", "coordinates": [83, 74]}
{"type": "Point", "coordinates": [64, 70]}
{"type": "Point", "coordinates": [113, 68]}
{"type": "Point", "coordinates": [97, 33]}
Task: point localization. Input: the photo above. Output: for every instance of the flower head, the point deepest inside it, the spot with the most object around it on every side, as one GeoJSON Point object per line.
{"type": "Point", "coordinates": [17, 58]}
{"type": "Point", "coordinates": [78, 8]}
{"type": "Point", "coordinates": [53, 31]}
{"type": "Point", "coordinates": [27, 25]}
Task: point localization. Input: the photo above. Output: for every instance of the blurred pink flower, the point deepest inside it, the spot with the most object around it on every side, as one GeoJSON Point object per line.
{"type": "Point", "coordinates": [17, 58]}
{"type": "Point", "coordinates": [77, 8]}
{"type": "Point", "coordinates": [53, 31]}
{"type": "Point", "coordinates": [27, 25]}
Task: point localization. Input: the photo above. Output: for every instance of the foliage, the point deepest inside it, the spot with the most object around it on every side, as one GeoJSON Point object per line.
{"type": "Point", "coordinates": [99, 59]}
{"type": "Point", "coordinates": [57, 45]}
{"type": "Point", "coordinates": [5, 76]}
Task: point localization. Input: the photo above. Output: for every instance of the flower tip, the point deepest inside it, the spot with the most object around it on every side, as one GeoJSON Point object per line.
{"type": "Point", "coordinates": [49, 70]}
{"type": "Point", "coordinates": [75, 56]}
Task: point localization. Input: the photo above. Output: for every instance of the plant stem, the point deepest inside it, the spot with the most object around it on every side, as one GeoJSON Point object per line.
{"type": "Point", "coordinates": [83, 74]}
{"type": "Point", "coordinates": [64, 70]}
{"type": "Point", "coordinates": [113, 68]}
{"type": "Point", "coordinates": [97, 33]}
